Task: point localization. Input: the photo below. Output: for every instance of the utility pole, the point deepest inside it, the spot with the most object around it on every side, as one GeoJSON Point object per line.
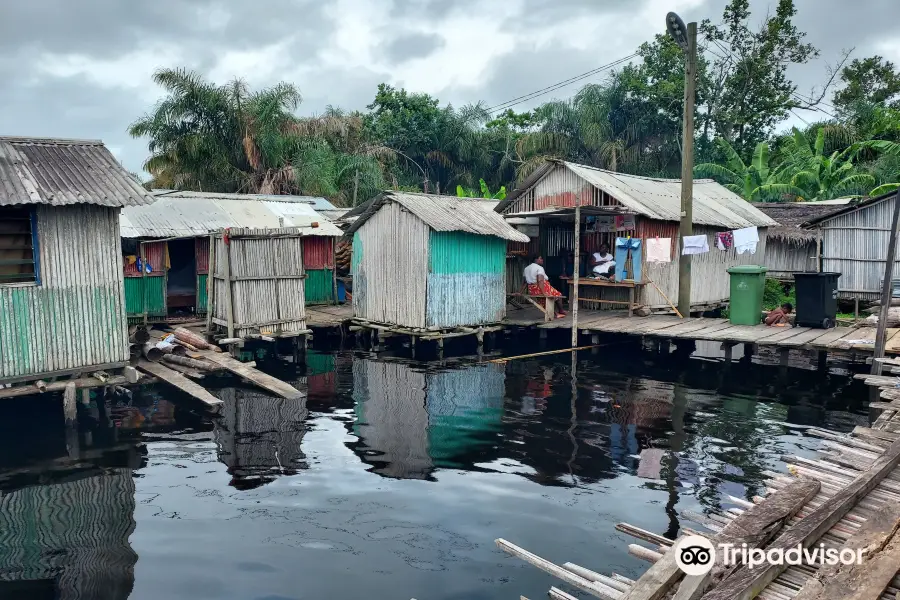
{"type": "Point", "coordinates": [355, 186]}
{"type": "Point", "coordinates": [887, 289]}
{"type": "Point", "coordinates": [686, 37]}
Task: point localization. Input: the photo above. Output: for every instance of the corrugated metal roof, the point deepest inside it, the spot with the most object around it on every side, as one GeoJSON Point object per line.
{"type": "Point", "coordinates": [660, 199]}
{"type": "Point", "coordinates": [60, 172]}
{"type": "Point", "coordinates": [853, 205]}
{"type": "Point", "coordinates": [187, 214]}
{"type": "Point", "coordinates": [448, 213]}
{"type": "Point", "coordinates": [317, 202]}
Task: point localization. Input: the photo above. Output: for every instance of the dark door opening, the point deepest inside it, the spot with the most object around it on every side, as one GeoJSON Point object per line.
{"type": "Point", "coordinates": [181, 289]}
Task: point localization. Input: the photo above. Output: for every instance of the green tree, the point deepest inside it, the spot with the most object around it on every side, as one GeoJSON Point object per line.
{"type": "Point", "coordinates": [484, 192]}
{"type": "Point", "coordinates": [756, 182]}
{"type": "Point", "coordinates": [751, 92]}
{"type": "Point", "coordinates": [872, 81]}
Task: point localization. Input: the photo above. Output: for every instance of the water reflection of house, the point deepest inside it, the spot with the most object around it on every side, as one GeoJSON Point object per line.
{"type": "Point", "coordinates": [410, 421]}
{"type": "Point", "coordinates": [259, 436]}
{"type": "Point", "coordinates": [69, 540]}
{"type": "Point", "coordinates": [634, 412]}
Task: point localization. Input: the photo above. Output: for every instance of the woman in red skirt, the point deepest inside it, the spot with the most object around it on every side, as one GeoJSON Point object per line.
{"type": "Point", "coordinates": [536, 280]}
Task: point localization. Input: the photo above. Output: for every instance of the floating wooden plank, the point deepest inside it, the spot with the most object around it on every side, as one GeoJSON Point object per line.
{"type": "Point", "coordinates": [754, 527]}
{"type": "Point", "coordinates": [591, 587]}
{"type": "Point", "coordinates": [866, 581]}
{"type": "Point", "coordinates": [181, 382]}
{"type": "Point", "coordinates": [266, 382]}
{"type": "Point", "coordinates": [745, 584]}
{"type": "Point", "coordinates": [656, 581]}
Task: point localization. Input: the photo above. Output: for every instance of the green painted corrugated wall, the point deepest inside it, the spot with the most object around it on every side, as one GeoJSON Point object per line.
{"type": "Point", "coordinates": [202, 293]}
{"type": "Point", "coordinates": [319, 286]}
{"type": "Point", "coordinates": [145, 294]}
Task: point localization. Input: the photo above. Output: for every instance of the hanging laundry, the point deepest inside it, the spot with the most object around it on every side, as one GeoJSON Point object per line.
{"type": "Point", "coordinates": [130, 259]}
{"type": "Point", "coordinates": [139, 264]}
{"type": "Point", "coordinates": [628, 259]}
{"type": "Point", "coordinates": [745, 240]}
{"type": "Point", "coordinates": [659, 250]}
{"type": "Point", "coordinates": [694, 244]}
{"type": "Point", "coordinates": [724, 240]}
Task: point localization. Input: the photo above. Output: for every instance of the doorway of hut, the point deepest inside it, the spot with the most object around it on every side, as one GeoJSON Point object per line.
{"type": "Point", "coordinates": [181, 287]}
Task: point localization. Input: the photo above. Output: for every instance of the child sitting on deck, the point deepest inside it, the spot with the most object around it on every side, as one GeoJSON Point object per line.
{"type": "Point", "coordinates": [780, 317]}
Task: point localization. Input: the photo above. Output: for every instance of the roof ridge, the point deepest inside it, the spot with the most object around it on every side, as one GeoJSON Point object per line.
{"type": "Point", "coordinates": [12, 139]}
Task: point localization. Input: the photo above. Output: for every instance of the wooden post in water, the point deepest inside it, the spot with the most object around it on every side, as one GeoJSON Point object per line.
{"type": "Point", "coordinates": [576, 273]}
{"type": "Point", "coordinates": [229, 293]}
{"type": "Point", "coordinates": [210, 287]}
{"type": "Point", "coordinates": [887, 289]}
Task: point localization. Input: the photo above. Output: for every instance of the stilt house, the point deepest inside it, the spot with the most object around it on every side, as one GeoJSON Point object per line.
{"type": "Point", "coordinates": [638, 207]}
{"type": "Point", "coordinates": [426, 261]}
{"type": "Point", "coordinates": [62, 306]}
{"type": "Point", "coordinates": [166, 248]}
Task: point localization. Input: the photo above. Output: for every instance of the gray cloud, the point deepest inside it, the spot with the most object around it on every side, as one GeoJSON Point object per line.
{"type": "Point", "coordinates": [411, 46]}
{"type": "Point", "coordinates": [82, 69]}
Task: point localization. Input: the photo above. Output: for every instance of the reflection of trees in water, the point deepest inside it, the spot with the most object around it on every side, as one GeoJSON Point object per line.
{"type": "Point", "coordinates": [74, 533]}
{"type": "Point", "coordinates": [410, 421]}
{"type": "Point", "coordinates": [259, 437]}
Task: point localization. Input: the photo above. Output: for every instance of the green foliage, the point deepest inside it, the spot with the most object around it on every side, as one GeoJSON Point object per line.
{"type": "Point", "coordinates": [777, 293]}
{"type": "Point", "coordinates": [756, 182]}
{"type": "Point", "coordinates": [872, 81]}
{"type": "Point", "coordinates": [484, 192]}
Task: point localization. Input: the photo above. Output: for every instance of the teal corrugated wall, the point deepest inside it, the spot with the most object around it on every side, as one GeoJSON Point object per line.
{"type": "Point", "coordinates": [145, 294]}
{"type": "Point", "coordinates": [466, 279]}
{"type": "Point", "coordinates": [202, 294]}
{"type": "Point", "coordinates": [319, 286]}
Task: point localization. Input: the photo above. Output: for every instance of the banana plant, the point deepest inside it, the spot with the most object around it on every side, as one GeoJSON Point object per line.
{"type": "Point", "coordinates": [754, 182]}
{"type": "Point", "coordinates": [485, 192]}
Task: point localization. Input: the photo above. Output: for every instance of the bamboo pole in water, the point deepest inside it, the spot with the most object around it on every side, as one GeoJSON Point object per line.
{"type": "Point", "coordinates": [576, 272]}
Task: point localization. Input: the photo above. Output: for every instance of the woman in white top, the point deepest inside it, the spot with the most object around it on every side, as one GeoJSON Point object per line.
{"type": "Point", "coordinates": [536, 280]}
{"type": "Point", "coordinates": [603, 263]}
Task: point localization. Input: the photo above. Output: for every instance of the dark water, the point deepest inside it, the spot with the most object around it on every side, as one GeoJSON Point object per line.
{"type": "Point", "coordinates": [393, 481]}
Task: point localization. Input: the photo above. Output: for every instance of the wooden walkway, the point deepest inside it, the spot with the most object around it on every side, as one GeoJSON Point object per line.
{"type": "Point", "coordinates": [860, 339]}
{"type": "Point", "coordinates": [328, 315]}
{"type": "Point", "coordinates": [847, 497]}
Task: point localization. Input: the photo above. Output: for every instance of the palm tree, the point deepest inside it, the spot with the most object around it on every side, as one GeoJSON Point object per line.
{"type": "Point", "coordinates": [824, 176]}
{"type": "Point", "coordinates": [754, 182]}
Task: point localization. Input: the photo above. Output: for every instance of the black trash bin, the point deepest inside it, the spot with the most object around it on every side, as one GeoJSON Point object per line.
{"type": "Point", "coordinates": [816, 299]}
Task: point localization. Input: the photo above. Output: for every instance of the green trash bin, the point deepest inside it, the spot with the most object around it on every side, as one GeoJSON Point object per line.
{"type": "Point", "coordinates": [748, 282]}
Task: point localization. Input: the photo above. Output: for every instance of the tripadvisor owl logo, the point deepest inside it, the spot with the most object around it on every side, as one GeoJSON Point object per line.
{"type": "Point", "coordinates": [695, 555]}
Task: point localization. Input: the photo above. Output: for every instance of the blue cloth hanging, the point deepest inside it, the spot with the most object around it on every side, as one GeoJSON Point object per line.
{"type": "Point", "coordinates": [623, 246]}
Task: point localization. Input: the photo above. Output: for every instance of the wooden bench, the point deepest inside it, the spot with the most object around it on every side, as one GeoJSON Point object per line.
{"type": "Point", "coordinates": [586, 282]}
{"type": "Point", "coordinates": [547, 308]}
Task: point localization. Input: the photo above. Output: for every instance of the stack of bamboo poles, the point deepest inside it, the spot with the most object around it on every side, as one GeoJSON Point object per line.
{"type": "Point", "coordinates": [183, 354]}
{"type": "Point", "coordinates": [343, 256]}
{"type": "Point", "coordinates": [855, 501]}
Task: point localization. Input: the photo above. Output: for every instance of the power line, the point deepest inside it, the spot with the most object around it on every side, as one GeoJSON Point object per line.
{"type": "Point", "coordinates": [558, 85]}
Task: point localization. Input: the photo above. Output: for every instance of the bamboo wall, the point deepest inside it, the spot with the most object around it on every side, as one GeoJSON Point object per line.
{"type": "Point", "coordinates": [855, 245]}
{"type": "Point", "coordinates": [268, 293]}
{"type": "Point", "coordinates": [710, 281]}
{"type": "Point", "coordinates": [75, 317]}
{"type": "Point", "coordinates": [390, 268]}
{"type": "Point", "coordinates": [784, 258]}
{"type": "Point", "coordinates": [260, 435]}
{"type": "Point", "coordinates": [75, 532]}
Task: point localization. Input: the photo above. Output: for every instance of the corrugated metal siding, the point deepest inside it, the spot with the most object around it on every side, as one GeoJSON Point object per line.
{"type": "Point", "coordinates": [710, 281]}
{"type": "Point", "coordinates": [75, 532]}
{"type": "Point", "coordinates": [318, 253]}
{"type": "Point", "coordinates": [65, 172]}
{"type": "Point", "coordinates": [466, 280]}
{"type": "Point", "coordinates": [76, 317]}
{"type": "Point", "coordinates": [465, 409]}
{"type": "Point", "coordinates": [201, 254]}
{"type": "Point", "coordinates": [783, 259]}
{"type": "Point", "coordinates": [391, 418]}
{"type": "Point", "coordinates": [145, 294]}
{"type": "Point", "coordinates": [855, 245]}
{"type": "Point", "coordinates": [155, 253]}
{"type": "Point", "coordinates": [259, 433]}
{"type": "Point", "coordinates": [263, 303]}
{"type": "Point", "coordinates": [390, 268]}
{"type": "Point", "coordinates": [202, 294]}
{"type": "Point", "coordinates": [319, 286]}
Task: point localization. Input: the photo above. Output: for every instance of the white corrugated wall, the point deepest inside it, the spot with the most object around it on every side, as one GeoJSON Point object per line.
{"type": "Point", "coordinates": [784, 258]}
{"type": "Point", "coordinates": [855, 245]}
{"type": "Point", "coordinates": [76, 317]}
{"type": "Point", "coordinates": [390, 268]}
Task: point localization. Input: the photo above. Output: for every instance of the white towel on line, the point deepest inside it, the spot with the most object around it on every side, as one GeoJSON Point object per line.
{"type": "Point", "coordinates": [694, 244]}
{"type": "Point", "coordinates": [745, 240]}
{"type": "Point", "coordinates": [659, 250]}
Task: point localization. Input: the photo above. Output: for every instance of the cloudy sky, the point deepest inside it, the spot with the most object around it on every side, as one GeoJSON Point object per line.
{"type": "Point", "coordinates": [82, 68]}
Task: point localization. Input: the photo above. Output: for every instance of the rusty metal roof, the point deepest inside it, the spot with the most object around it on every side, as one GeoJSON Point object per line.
{"type": "Point", "coordinates": [659, 199]}
{"type": "Point", "coordinates": [447, 213]}
{"type": "Point", "coordinates": [60, 172]}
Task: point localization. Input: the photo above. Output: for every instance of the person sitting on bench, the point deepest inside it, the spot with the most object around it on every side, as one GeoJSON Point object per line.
{"type": "Point", "coordinates": [536, 280]}
{"type": "Point", "coordinates": [603, 263]}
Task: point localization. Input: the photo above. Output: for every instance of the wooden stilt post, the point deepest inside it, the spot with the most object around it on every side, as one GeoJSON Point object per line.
{"type": "Point", "coordinates": [211, 287]}
{"type": "Point", "coordinates": [229, 293]}
{"type": "Point", "coordinates": [887, 288]}
{"type": "Point", "coordinates": [69, 409]}
{"type": "Point", "coordinates": [576, 272]}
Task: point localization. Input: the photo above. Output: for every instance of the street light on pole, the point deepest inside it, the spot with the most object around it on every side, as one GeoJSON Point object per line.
{"type": "Point", "coordinates": [686, 38]}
